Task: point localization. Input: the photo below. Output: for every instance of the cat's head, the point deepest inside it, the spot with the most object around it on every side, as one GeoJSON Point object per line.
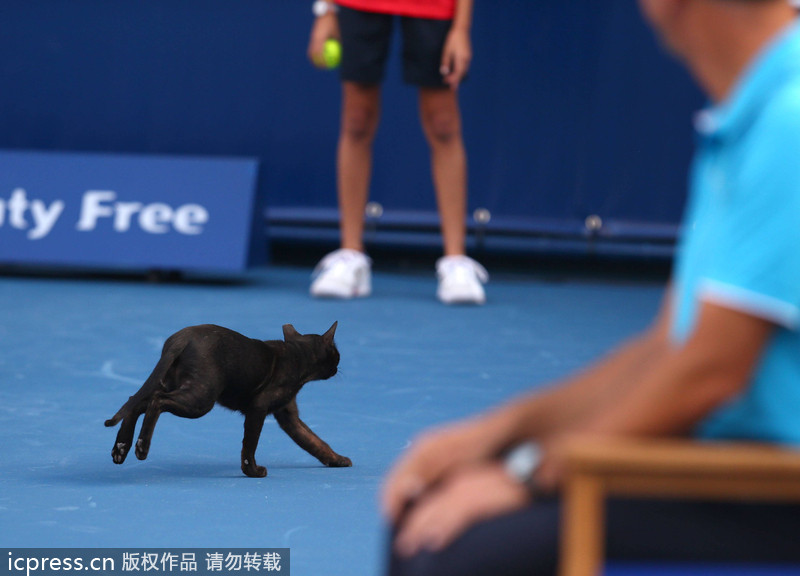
{"type": "Point", "coordinates": [320, 350]}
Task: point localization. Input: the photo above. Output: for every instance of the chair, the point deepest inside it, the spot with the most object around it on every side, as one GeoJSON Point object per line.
{"type": "Point", "coordinates": [597, 469]}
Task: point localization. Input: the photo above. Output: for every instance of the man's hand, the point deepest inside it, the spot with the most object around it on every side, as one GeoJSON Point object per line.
{"type": "Point", "coordinates": [456, 57]}
{"type": "Point", "coordinates": [432, 457]}
{"type": "Point", "coordinates": [324, 28]}
{"type": "Point", "coordinates": [469, 496]}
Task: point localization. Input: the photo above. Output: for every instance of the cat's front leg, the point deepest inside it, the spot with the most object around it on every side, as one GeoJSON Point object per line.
{"type": "Point", "coordinates": [337, 461]}
{"type": "Point", "coordinates": [253, 423]}
{"type": "Point", "coordinates": [289, 420]}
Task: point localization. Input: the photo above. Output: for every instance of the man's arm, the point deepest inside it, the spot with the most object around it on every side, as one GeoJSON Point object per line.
{"type": "Point", "coordinates": [457, 53]}
{"type": "Point", "coordinates": [687, 382]}
{"type": "Point", "coordinates": [540, 414]}
{"type": "Point", "coordinates": [563, 405]}
{"type": "Point", "coordinates": [463, 16]}
{"type": "Point", "coordinates": [681, 385]}
{"type": "Point", "coordinates": [670, 389]}
{"type": "Point", "coordinates": [324, 28]}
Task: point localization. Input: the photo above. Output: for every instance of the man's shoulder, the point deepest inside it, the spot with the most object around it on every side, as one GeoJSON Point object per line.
{"type": "Point", "coordinates": [785, 101]}
{"type": "Point", "coordinates": [779, 111]}
{"type": "Point", "coordinates": [767, 154]}
{"type": "Point", "coordinates": [778, 122]}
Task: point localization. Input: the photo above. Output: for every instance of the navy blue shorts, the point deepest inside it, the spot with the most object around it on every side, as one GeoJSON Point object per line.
{"type": "Point", "coordinates": [366, 37]}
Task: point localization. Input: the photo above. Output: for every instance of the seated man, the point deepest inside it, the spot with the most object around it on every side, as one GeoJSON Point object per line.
{"type": "Point", "coordinates": [721, 361]}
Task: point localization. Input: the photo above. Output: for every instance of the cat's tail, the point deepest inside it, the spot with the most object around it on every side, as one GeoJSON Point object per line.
{"type": "Point", "coordinates": [169, 354]}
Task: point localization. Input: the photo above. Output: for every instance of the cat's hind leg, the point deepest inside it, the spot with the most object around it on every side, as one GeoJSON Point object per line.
{"type": "Point", "coordinates": [289, 420]}
{"type": "Point", "coordinates": [138, 403]}
{"type": "Point", "coordinates": [122, 444]}
{"type": "Point", "coordinates": [184, 402]}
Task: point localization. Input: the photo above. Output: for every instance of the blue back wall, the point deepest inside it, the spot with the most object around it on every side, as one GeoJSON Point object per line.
{"type": "Point", "coordinates": [571, 109]}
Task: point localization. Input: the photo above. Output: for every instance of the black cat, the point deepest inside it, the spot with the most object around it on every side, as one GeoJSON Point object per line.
{"type": "Point", "coordinates": [202, 365]}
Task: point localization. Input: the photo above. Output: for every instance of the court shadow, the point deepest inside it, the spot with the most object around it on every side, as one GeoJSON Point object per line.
{"type": "Point", "coordinates": [137, 473]}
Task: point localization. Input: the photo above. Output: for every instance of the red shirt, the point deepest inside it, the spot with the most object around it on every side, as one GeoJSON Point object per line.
{"type": "Point", "coordinates": [436, 9]}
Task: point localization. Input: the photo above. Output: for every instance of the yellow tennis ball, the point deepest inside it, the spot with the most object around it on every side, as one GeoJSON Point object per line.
{"type": "Point", "coordinates": [331, 54]}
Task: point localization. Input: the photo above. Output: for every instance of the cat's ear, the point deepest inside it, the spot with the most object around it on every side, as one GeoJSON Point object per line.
{"type": "Point", "coordinates": [328, 336]}
{"type": "Point", "coordinates": [289, 333]}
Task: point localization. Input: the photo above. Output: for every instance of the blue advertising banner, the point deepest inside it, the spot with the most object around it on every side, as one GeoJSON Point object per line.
{"type": "Point", "coordinates": [134, 212]}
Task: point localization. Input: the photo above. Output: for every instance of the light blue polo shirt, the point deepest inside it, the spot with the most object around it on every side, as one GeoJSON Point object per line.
{"type": "Point", "coordinates": [740, 246]}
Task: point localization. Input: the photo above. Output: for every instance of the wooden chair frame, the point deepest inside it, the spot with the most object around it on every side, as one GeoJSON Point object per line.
{"type": "Point", "coordinates": [680, 469]}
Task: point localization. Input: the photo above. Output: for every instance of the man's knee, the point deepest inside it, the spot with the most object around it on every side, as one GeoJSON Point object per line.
{"type": "Point", "coordinates": [359, 125]}
{"type": "Point", "coordinates": [441, 126]}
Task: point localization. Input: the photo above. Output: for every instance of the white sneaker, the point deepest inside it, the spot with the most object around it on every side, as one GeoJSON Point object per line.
{"type": "Point", "coordinates": [461, 280]}
{"type": "Point", "coordinates": [343, 273]}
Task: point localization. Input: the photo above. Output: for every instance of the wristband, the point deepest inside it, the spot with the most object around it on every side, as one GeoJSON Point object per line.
{"type": "Point", "coordinates": [322, 7]}
{"type": "Point", "coordinates": [522, 462]}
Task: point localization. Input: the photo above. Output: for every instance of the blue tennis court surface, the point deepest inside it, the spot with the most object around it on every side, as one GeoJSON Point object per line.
{"type": "Point", "coordinates": [74, 349]}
